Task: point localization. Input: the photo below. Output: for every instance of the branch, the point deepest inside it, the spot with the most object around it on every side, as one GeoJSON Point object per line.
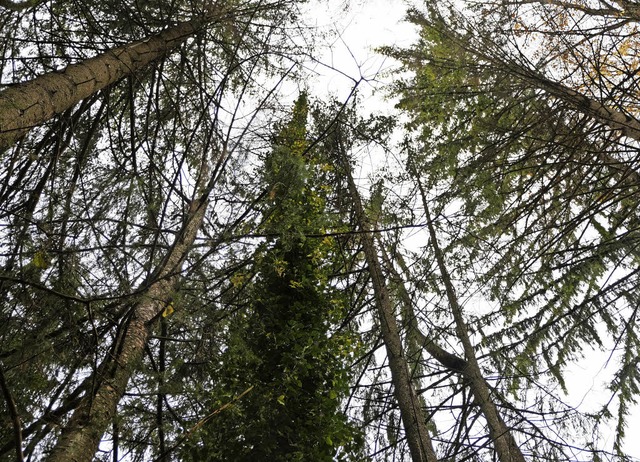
{"type": "Point", "coordinates": [19, 6]}
{"type": "Point", "coordinates": [608, 11]}
{"type": "Point", "coordinates": [15, 418]}
{"type": "Point", "coordinates": [203, 421]}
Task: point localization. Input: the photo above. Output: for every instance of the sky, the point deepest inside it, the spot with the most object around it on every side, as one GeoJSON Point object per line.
{"type": "Point", "coordinates": [349, 54]}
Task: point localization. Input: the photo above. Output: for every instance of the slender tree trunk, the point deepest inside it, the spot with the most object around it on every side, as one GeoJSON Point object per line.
{"type": "Point", "coordinates": [32, 103]}
{"type": "Point", "coordinates": [413, 418]}
{"type": "Point", "coordinates": [413, 341]}
{"type": "Point", "coordinates": [505, 445]}
{"type": "Point", "coordinates": [13, 413]}
{"type": "Point", "coordinates": [161, 391]}
{"type": "Point", "coordinates": [612, 118]}
{"type": "Point", "coordinates": [449, 360]}
{"type": "Point", "coordinates": [81, 436]}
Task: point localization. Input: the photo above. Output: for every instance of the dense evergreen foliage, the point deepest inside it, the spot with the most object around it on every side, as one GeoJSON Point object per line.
{"type": "Point", "coordinates": [284, 346]}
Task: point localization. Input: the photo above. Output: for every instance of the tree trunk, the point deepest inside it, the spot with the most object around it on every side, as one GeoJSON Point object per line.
{"type": "Point", "coordinates": [32, 103]}
{"type": "Point", "coordinates": [612, 118]}
{"type": "Point", "coordinates": [413, 418]}
{"type": "Point", "coordinates": [449, 360]}
{"type": "Point", "coordinates": [504, 443]}
{"type": "Point", "coordinates": [81, 436]}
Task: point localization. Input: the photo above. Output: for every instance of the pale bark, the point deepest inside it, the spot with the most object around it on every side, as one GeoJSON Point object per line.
{"type": "Point", "coordinates": [81, 436]}
{"type": "Point", "coordinates": [413, 418]}
{"type": "Point", "coordinates": [29, 104]}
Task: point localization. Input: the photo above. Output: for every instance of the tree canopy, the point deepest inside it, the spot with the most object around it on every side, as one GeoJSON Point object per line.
{"type": "Point", "coordinates": [203, 257]}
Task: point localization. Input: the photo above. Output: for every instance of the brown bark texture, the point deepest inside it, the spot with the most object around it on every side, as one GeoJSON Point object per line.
{"type": "Point", "coordinates": [29, 104]}
{"type": "Point", "coordinates": [612, 118]}
{"type": "Point", "coordinates": [609, 116]}
{"type": "Point", "coordinates": [500, 434]}
{"type": "Point", "coordinates": [413, 419]}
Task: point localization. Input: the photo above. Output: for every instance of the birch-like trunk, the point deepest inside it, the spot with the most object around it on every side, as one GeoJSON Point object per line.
{"type": "Point", "coordinates": [81, 436]}
{"type": "Point", "coordinates": [32, 103]}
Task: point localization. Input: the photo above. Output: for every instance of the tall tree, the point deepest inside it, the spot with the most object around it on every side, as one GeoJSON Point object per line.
{"type": "Point", "coordinates": [103, 216]}
{"type": "Point", "coordinates": [284, 345]}
{"type": "Point", "coordinates": [81, 436]}
{"type": "Point", "coordinates": [181, 280]}
{"type": "Point", "coordinates": [534, 178]}
{"type": "Point", "coordinates": [413, 417]}
{"type": "Point", "coordinates": [501, 435]}
{"type": "Point", "coordinates": [32, 103]}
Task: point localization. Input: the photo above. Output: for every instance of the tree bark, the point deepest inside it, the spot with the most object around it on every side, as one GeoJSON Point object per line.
{"type": "Point", "coordinates": [504, 443]}
{"type": "Point", "coordinates": [449, 360]}
{"type": "Point", "coordinates": [32, 103]}
{"type": "Point", "coordinates": [413, 418]}
{"type": "Point", "coordinates": [612, 118]}
{"type": "Point", "coordinates": [81, 436]}
{"type": "Point", "coordinates": [15, 416]}
{"type": "Point", "coordinates": [624, 10]}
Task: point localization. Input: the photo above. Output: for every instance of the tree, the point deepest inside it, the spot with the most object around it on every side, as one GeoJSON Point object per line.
{"type": "Point", "coordinates": [284, 345]}
{"type": "Point", "coordinates": [412, 416]}
{"type": "Point", "coordinates": [104, 217]}
{"type": "Point", "coordinates": [32, 103]}
{"type": "Point", "coordinates": [536, 177]}
{"type": "Point", "coordinates": [190, 269]}
{"type": "Point", "coordinates": [82, 434]}
{"type": "Point", "coordinates": [505, 444]}
{"type": "Point", "coordinates": [338, 141]}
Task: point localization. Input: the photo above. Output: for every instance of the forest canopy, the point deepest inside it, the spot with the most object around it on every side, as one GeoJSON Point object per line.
{"type": "Point", "coordinates": [204, 256]}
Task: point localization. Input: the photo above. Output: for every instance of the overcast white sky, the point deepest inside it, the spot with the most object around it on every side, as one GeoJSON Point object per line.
{"type": "Point", "coordinates": [357, 30]}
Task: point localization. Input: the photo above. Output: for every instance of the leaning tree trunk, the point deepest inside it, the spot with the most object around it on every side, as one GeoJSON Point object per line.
{"type": "Point", "coordinates": [425, 342]}
{"type": "Point", "coordinates": [500, 434]}
{"type": "Point", "coordinates": [81, 436]}
{"type": "Point", "coordinates": [606, 115]}
{"type": "Point", "coordinates": [32, 103]}
{"type": "Point", "coordinates": [413, 418]}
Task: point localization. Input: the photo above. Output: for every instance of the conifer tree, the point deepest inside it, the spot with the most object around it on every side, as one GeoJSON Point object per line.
{"type": "Point", "coordinates": [284, 346]}
{"type": "Point", "coordinates": [104, 207]}
{"type": "Point", "coordinates": [541, 184]}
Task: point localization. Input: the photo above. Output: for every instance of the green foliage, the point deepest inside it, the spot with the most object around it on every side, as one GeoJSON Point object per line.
{"type": "Point", "coordinates": [534, 199]}
{"type": "Point", "coordinates": [284, 343]}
